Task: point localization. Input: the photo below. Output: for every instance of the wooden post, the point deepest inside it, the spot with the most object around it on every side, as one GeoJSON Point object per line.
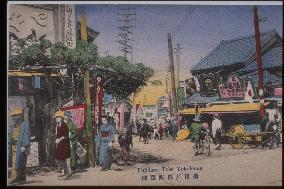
{"type": "Point", "coordinates": [172, 72]}
{"type": "Point", "coordinates": [259, 63]}
{"type": "Point", "coordinates": [84, 34]}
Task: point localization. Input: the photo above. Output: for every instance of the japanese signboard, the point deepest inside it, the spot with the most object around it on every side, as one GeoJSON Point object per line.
{"type": "Point", "coordinates": [70, 26]}
{"type": "Point", "coordinates": [233, 88]}
{"type": "Point", "coordinates": [79, 114]}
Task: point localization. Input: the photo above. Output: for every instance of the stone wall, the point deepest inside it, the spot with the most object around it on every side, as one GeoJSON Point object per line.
{"type": "Point", "coordinates": [33, 158]}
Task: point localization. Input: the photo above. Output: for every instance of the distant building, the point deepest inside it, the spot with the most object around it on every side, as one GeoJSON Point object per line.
{"type": "Point", "coordinates": [150, 111]}
{"type": "Point", "coordinates": [162, 106]}
{"type": "Point", "coordinates": [31, 90]}
{"type": "Point", "coordinates": [238, 56]}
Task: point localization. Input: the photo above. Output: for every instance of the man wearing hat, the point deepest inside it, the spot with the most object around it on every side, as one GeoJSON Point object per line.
{"type": "Point", "coordinates": [73, 136]}
{"type": "Point", "coordinates": [19, 140]}
{"type": "Point", "coordinates": [195, 128]}
{"type": "Point", "coordinates": [62, 142]}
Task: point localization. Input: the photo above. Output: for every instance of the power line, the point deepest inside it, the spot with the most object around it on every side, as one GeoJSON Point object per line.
{"type": "Point", "coordinates": [127, 22]}
{"type": "Point", "coordinates": [188, 14]}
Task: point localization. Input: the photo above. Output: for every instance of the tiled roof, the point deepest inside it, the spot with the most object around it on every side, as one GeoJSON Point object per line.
{"type": "Point", "coordinates": [267, 77]}
{"type": "Point", "coordinates": [272, 58]}
{"type": "Point", "coordinates": [233, 51]}
{"type": "Point", "coordinates": [198, 99]}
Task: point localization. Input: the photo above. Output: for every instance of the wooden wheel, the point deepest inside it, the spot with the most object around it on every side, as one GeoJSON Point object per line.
{"type": "Point", "coordinates": [253, 142]}
{"type": "Point", "coordinates": [237, 136]}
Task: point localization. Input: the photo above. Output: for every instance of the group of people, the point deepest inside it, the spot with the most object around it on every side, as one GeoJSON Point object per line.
{"type": "Point", "coordinates": [66, 141]}
{"type": "Point", "coordinates": [197, 128]}
{"type": "Point", "coordinates": [146, 131]}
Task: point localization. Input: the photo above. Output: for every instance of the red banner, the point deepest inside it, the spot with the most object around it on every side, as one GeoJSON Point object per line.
{"type": "Point", "coordinates": [98, 101]}
{"type": "Point", "coordinates": [79, 114]}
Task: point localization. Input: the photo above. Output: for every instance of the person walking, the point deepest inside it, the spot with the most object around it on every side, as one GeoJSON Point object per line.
{"type": "Point", "coordinates": [73, 136]}
{"type": "Point", "coordinates": [161, 131]}
{"type": "Point", "coordinates": [217, 131]}
{"type": "Point", "coordinates": [264, 121]}
{"type": "Point", "coordinates": [195, 130]}
{"type": "Point", "coordinates": [63, 151]}
{"type": "Point", "coordinates": [105, 139]}
{"type": "Point", "coordinates": [173, 129]}
{"type": "Point", "coordinates": [125, 140]}
{"type": "Point", "coordinates": [145, 129]}
{"type": "Point", "coordinates": [19, 142]}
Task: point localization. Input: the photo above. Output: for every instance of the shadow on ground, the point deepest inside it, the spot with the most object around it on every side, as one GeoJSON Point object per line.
{"type": "Point", "coordinates": [138, 157]}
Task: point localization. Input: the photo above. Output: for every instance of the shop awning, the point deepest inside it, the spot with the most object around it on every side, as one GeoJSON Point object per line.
{"type": "Point", "coordinates": [17, 73]}
{"type": "Point", "coordinates": [225, 108]}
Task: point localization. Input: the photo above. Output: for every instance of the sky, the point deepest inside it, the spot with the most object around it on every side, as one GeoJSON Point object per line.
{"type": "Point", "coordinates": [203, 29]}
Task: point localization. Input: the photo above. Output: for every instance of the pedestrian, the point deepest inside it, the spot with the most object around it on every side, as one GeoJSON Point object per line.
{"type": "Point", "coordinates": [63, 151]}
{"type": "Point", "coordinates": [19, 142]}
{"type": "Point", "coordinates": [217, 131]}
{"type": "Point", "coordinates": [195, 131]}
{"type": "Point", "coordinates": [145, 129]}
{"type": "Point", "coordinates": [125, 140]}
{"type": "Point", "coordinates": [173, 129]}
{"type": "Point", "coordinates": [161, 131]}
{"type": "Point", "coordinates": [156, 133]}
{"type": "Point", "coordinates": [105, 140]}
{"type": "Point", "coordinates": [185, 124]}
{"type": "Point", "coordinates": [166, 129]}
{"type": "Point", "coordinates": [264, 121]}
{"type": "Point", "coordinates": [73, 136]}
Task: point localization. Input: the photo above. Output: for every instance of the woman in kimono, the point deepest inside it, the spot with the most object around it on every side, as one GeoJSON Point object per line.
{"type": "Point", "coordinates": [104, 139]}
{"type": "Point", "coordinates": [125, 140]}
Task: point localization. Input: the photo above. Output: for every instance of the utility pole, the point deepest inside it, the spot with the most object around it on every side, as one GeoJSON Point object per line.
{"type": "Point", "coordinates": [178, 52]}
{"type": "Point", "coordinates": [172, 69]}
{"type": "Point", "coordinates": [84, 36]}
{"type": "Point", "coordinates": [259, 62]}
{"type": "Point", "coordinates": [126, 21]}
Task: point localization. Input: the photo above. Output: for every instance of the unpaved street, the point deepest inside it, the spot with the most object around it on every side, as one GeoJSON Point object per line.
{"type": "Point", "coordinates": [172, 163]}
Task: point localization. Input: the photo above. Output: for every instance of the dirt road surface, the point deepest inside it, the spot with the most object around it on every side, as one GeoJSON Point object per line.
{"type": "Point", "coordinates": [173, 163]}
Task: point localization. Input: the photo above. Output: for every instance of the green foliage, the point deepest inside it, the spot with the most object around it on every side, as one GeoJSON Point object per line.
{"type": "Point", "coordinates": [125, 78]}
{"type": "Point", "coordinates": [156, 82]}
{"type": "Point", "coordinates": [148, 114]}
{"type": "Point", "coordinates": [89, 122]}
{"type": "Point", "coordinates": [121, 65]}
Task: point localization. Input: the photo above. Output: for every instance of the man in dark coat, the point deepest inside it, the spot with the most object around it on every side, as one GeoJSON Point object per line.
{"type": "Point", "coordinates": [145, 129]}
{"type": "Point", "coordinates": [19, 145]}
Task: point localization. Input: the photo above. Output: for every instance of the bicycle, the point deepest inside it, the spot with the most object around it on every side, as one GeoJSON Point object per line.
{"type": "Point", "coordinates": [203, 143]}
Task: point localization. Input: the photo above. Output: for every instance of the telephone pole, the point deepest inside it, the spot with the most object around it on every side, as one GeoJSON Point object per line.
{"type": "Point", "coordinates": [259, 62]}
{"type": "Point", "coordinates": [172, 69]}
{"type": "Point", "coordinates": [178, 52]}
{"type": "Point", "coordinates": [84, 37]}
{"type": "Point", "coordinates": [126, 21]}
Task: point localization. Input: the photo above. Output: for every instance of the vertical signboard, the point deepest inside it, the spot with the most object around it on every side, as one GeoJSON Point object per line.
{"type": "Point", "coordinates": [70, 26]}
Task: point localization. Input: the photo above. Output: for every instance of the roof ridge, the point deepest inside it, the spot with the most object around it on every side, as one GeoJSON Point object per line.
{"type": "Point", "coordinates": [246, 37]}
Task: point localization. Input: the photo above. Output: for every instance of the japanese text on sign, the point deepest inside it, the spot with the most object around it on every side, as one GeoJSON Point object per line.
{"type": "Point", "coordinates": [234, 88]}
{"type": "Point", "coordinates": [70, 26]}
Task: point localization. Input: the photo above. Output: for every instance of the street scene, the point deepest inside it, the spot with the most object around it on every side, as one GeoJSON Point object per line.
{"type": "Point", "coordinates": [144, 94]}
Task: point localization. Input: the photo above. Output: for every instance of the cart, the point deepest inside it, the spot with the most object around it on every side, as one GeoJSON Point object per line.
{"type": "Point", "coordinates": [239, 137]}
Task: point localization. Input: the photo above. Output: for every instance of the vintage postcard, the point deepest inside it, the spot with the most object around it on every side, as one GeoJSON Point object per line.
{"type": "Point", "coordinates": [159, 93]}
